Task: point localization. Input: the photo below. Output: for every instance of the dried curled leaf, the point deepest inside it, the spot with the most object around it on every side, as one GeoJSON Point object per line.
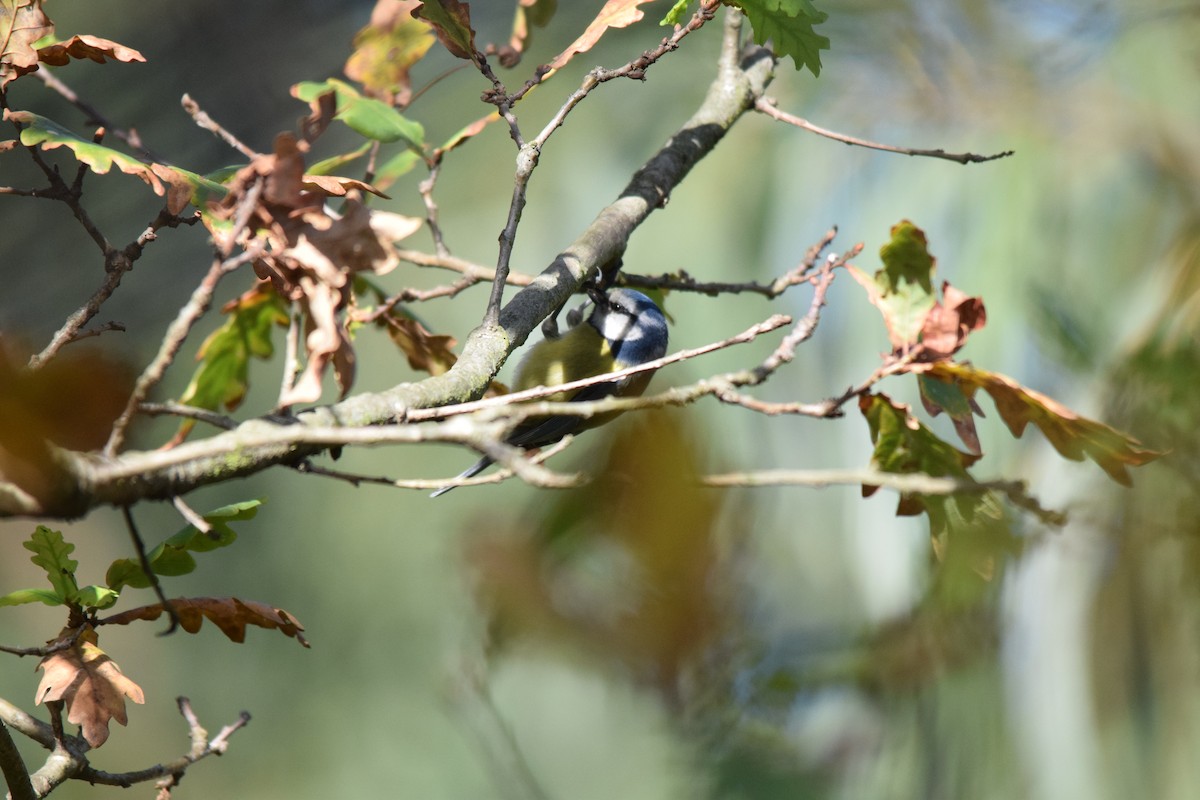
{"type": "Point", "coordinates": [614, 14]}
{"type": "Point", "coordinates": [312, 253]}
{"type": "Point", "coordinates": [22, 22]}
{"type": "Point", "coordinates": [89, 683]}
{"type": "Point", "coordinates": [230, 614]}
{"type": "Point", "coordinates": [426, 351]}
{"type": "Point", "coordinates": [87, 46]}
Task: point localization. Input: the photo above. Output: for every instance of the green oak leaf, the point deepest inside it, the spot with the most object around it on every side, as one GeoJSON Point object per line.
{"type": "Point", "coordinates": [367, 116]}
{"type": "Point", "coordinates": [173, 556]}
{"type": "Point", "coordinates": [789, 26]}
{"type": "Point", "coordinates": [52, 553]}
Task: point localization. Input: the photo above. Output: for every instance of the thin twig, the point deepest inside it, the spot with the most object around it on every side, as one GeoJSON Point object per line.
{"type": "Point", "coordinates": [425, 189]}
{"type": "Point", "coordinates": [188, 412]}
{"type": "Point", "coordinates": [116, 264]}
{"type": "Point", "coordinates": [172, 772]}
{"type": "Point", "coordinates": [635, 69]}
{"type": "Point", "coordinates": [193, 518]}
{"type": "Point", "coordinates": [906, 483]}
{"type": "Point", "coordinates": [291, 357]}
{"type": "Point", "coordinates": [425, 484]}
{"type": "Point", "coordinates": [768, 106]}
{"type": "Point", "coordinates": [178, 330]}
{"type": "Point", "coordinates": [209, 124]}
{"type": "Point", "coordinates": [442, 412]}
{"type": "Point", "coordinates": [45, 650]}
{"type": "Point", "coordinates": [148, 571]}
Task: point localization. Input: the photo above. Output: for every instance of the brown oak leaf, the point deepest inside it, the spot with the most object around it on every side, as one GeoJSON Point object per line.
{"type": "Point", "coordinates": [87, 46]}
{"type": "Point", "coordinates": [949, 323]}
{"type": "Point", "coordinates": [90, 684]}
{"type": "Point", "coordinates": [230, 614]}
{"type": "Point", "coordinates": [614, 14]}
{"type": "Point", "coordinates": [426, 351]}
{"type": "Point", "coordinates": [21, 24]}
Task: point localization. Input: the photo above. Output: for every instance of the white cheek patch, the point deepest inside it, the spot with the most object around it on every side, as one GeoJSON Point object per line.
{"type": "Point", "coordinates": [619, 327]}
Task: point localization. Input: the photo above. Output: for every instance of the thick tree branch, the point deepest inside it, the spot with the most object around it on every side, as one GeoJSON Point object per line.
{"type": "Point", "coordinates": [75, 482]}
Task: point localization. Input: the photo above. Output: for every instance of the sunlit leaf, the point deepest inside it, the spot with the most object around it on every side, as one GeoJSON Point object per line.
{"type": "Point", "coordinates": [903, 290]}
{"type": "Point", "coordinates": [52, 553]}
{"type": "Point", "coordinates": [179, 187]}
{"type": "Point", "coordinates": [367, 116]}
{"type": "Point", "coordinates": [788, 24]}
{"type": "Point", "coordinates": [223, 375]}
{"type": "Point", "coordinates": [90, 684]}
{"type": "Point", "coordinates": [23, 596]}
{"type": "Point", "coordinates": [614, 14]}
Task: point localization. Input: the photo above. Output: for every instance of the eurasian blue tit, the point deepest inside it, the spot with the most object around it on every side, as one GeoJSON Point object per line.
{"type": "Point", "coordinates": [625, 329]}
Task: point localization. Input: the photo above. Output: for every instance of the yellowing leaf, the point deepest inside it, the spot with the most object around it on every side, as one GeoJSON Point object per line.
{"type": "Point", "coordinates": [1073, 436]}
{"type": "Point", "coordinates": [904, 293]}
{"type": "Point", "coordinates": [179, 187]}
{"type": "Point", "coordinates": [90, 684]}
{"type": "Point", "coordinates": [230, 614]}
{"type": "Point", "coordinates": [614, 14]}
{"type": "Point", "coordinates": [387, 48]}
{"type": "Point", "coordinates": [903, 289]}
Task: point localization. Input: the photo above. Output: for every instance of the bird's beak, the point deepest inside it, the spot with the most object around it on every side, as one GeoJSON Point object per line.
{"type": "Point", "coordinates": [597, 296]}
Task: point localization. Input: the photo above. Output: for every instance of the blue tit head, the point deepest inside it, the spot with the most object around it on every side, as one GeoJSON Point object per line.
{"type": "Point", "coordinates": [632, 326]}
{"type": "Point", "coordinates": [625, 329]}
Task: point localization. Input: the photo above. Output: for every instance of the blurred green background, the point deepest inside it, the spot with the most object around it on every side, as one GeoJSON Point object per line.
{"type": "Point", "coordinates": [656, 642]}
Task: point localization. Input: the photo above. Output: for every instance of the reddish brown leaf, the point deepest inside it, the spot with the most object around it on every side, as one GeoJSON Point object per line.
{"type": "Point", "coordinates": [21, 24]}
{"type": "Point", "coordinates": [86, 46]}
{"type": "Point", "coordinates": [230, 614]}
{"type": "Point", "coordinates": [451, 21]}
{"type": "Point", "coordinates": [90, 684]}
{"type": "Point", "coordinates": [949, 322]}
{"type": "Point", "coordinates": [614, 14]}
{"type": "Point", "coordinates": [426, 352]}
{"type": "Point", "coordinates": [387, 48]}
{"type": "Point", "coordinates": [1073, 436]}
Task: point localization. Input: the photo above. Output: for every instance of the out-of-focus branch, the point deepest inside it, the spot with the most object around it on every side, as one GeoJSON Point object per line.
{"type": "Point", "coordinates": [12, 766]}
